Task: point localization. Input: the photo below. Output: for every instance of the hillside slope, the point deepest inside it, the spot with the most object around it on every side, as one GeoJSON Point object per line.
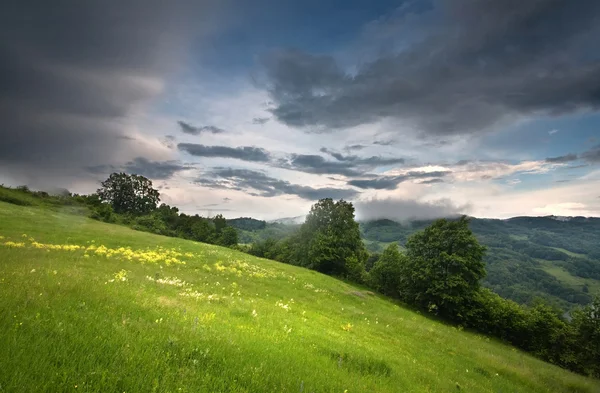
{"type": "Point", "coordinates": [97, 307]}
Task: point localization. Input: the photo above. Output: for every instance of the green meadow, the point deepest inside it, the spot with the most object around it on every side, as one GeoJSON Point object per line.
{"type": "Point", "coordinates": [93, 307]}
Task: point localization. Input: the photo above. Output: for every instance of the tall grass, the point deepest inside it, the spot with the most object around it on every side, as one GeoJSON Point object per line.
{"type": "Point", "coordinates": [156, 314]}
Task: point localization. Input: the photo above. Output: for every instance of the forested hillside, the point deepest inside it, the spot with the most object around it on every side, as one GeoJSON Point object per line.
{"type": "Point", "coordinates": [554, 258]}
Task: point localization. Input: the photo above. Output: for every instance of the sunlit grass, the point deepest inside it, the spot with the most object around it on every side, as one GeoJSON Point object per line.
{"type": "Point", "coordinates": [86, 306]}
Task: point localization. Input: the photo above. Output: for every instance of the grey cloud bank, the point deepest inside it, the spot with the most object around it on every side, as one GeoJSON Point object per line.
{"type": "Point", "coordinates": [469, 67]}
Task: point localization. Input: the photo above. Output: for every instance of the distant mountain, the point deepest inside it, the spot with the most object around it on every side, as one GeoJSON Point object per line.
{"type": "Point", "coordinates": [289, 220]}
{"type": "Point", "coordinates": [247, 223]}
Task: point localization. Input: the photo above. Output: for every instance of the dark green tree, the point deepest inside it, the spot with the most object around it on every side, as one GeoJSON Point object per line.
{"type": "Point", "coordinates": [329, 238]}
{"type": "Point", "coordinates": [586, 330]}
{"type": "Point", "coordinates": [220, 223]}
{"type": "Point", "coordinates": [202, 230]}
{"type": "Point", "coordinates": [129, 194]}
{"type": "Point", "coordinates": [444, 266]}
{"type": "Point", "coordinates": [228, 237]}
{"type": "Point", "coordinates": [387, 273]}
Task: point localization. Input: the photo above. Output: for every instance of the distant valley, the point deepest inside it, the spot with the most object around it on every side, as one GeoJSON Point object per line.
{"type": "Point", "coordinates": [555, 258]}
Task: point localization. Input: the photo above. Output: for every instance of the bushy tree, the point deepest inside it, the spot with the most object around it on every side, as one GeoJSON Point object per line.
{"type": "Point", "coordinates": [228, 237]}
{"type": "Point", "coordinates": [329, 238]}
{"type": "Point", "coordinates": [586, 330]}
{"type": "Point", "coordinates": [131, 194]}
{"type": "Point", "coordinates": [386, 276]}
{"type": "Point", "coordinates": [444, 266]}
{"type": "Point", "coordinates": [202, 230]}
{"type": "Point", "coordinates": [220, 223]}
{"type": "Point", "coordinates": [168, 214]}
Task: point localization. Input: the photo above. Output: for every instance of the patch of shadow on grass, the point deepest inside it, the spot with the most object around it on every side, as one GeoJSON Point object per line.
{"type": "Point", "coordinates": [482, 371]}
{"type": "Point", "coordinates": [361, 294]}
{"type": "Point", "coordinates": [360, 364]}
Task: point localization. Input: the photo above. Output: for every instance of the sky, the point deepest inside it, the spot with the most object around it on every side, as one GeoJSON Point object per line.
{"type": "Point", "coordinates": [409, 109]}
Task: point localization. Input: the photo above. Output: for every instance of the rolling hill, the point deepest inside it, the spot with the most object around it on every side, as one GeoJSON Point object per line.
{"type": "Point", "coordinates": [94, 307]}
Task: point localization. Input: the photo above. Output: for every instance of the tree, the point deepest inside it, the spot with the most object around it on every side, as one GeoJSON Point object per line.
{"type": "Point", "coordinates": [586, 328]}
{"type": "Point", "coordinates": [220, 223]}
{"type": "Point", "coordinates": [202, 229]}
{"type": "Point", "coordinates": [387, 273]}
{"type": "Point", "coordinates": [329, 238]}
{"type": "Point", "coordinates": [129, 194]}
{"type": "Point", "coordinates": [444, 266]}
{"type": "Point", "coordinates": [228, 237]}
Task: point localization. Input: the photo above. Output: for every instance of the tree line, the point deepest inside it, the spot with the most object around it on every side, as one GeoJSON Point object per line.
{"type": "Point", "coordinates": [132, 200]}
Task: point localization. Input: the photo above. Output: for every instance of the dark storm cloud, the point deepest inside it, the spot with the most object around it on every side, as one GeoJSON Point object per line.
{"type": "Point", "coordinates": [562, 159]}
{"type": "Point", "coordinates": [71, 72]}
{"type": "Point", "coordinates": [245, 153]}
{"type": "Point", "coordinates": [260, 120]}
{"type": "Point", "coordinates": [463, 67]}
{"type": "Point", "coordinates": [194, 130]}
{"type": "Point", "coordinates": [266, 186]}
{"type": "Point", "coordinates": [155, 170]}
{"type": "Point", "coordinates": [391, 182]}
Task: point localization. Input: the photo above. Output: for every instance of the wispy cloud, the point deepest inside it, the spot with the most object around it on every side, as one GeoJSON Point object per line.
{"type": "Point", "coordinates": [194, 130]}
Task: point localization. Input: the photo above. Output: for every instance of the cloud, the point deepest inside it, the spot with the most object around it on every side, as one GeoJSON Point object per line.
{"type": "Point", "coordinates": [245, 153]}
{"type": "Point", "coordinates": [592, 155]}
{"type": "Point", "coordinates": [552, 132]}
{"type": "Point", "coordinates": [157, 170]}
{"type": "Point", "coordinates": [346, 165]}
{"type": "Point", "coordinates": [373, 161]}
{"type": "Point", "coordinates": [354, 147]}
{"type": "Point", "coordinates": [169, 141]}
{"type": "Point", "coordinates": [562, 159]}
{"type": "Point", "coordinates": [260, 120]}
{"type": "Point", "coordinates": [193, 130]}
{"type": "Point", "coordinates": [386, 142]}
{"type": "Point", "coordinates": [391, 182]}
{"type": "Point", "coordinates": [407, 209]}
{"type": "Point", "coordinates": [154, 169]}
{"type": "Point", "coordinates": [266, 186]}
{"type": "Point", "coordinates": [432, 181]}
{"type": "Point", "coordinates": [316, 164]}
{"type": "Point", "coordinates": [474, 171]}
{"type": "Point", "coordinates": [73, 74]}
{"type": "Point", "coordinates": [461, 67]}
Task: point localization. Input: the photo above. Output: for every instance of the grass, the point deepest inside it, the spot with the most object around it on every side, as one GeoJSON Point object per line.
{"type": "Point", "coordinates": [567, 278]}
{"type": "Point", "coordinates": [569, 253]}
{"type": "Point", "coordinates": [87, 306]}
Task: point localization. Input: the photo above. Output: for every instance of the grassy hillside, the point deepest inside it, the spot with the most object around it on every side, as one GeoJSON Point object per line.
{"type": "Point", "coordinates": [93, 307]}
